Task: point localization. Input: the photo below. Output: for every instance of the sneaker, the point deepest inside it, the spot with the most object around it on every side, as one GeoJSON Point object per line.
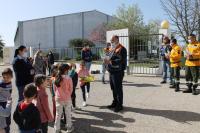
{"type": "Point", "coordinates": [163, 82]}
{"type": "Point", "coordinates": [87, 95]}
{"type": "Point", "coordinates": [84, 104]}
{"type": "Point", "coordinates": [69, 130]}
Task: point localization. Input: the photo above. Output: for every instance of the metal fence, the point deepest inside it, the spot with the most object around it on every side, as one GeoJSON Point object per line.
{"type": "Point", "coordinates": [144, 57]}
{"type": "Point", "coordinates": [144, 53]}
{"type": "Point", "coordinates": [70, 53]}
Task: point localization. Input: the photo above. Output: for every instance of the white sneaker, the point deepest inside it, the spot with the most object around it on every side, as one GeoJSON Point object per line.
{"type": "Point", "coordinates": [84, 104]}
{"type": "Point", "coordinates": [69, 130]}
{"type": "Point", "coordinates": [87, 95]}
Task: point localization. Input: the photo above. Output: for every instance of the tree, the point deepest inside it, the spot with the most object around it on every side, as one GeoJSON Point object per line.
{"type": "Point", "coordinates": [1, 47]}
{"type": "Point", "coordinates": [183, 14]}
{"type": "Point", "coordinates": [130, 17]}
{"type": "Point", "coordinates": [80, 43]}
{"type": "Point", "coordinates": [98, 34]}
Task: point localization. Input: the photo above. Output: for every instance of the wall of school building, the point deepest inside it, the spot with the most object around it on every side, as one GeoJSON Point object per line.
{"type": "Point", "coordinates": [57, 31]}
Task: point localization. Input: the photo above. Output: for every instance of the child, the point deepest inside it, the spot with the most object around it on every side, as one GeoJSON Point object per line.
{"type": "Point", "coordinates": [54, 72]}
{"type": "Point", "coordinates": [83, 72]}
{"type": "Point", "coordinates": [73, 74]}
{"type": "Point", "coordinates": [63, 89]}
{"type": "Point", "coordinates": [5, 92]}
{"type": "Point", "coordinates": [26, 115]}
{"type": "Point", "coordinates": [42, 102]}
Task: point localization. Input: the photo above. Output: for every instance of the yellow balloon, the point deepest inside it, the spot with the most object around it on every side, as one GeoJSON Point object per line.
{"type": "Point", "coordinates": [165, 24]}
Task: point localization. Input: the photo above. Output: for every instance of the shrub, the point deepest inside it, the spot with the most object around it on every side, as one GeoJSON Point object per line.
{"type": "Point", "coordinates": [78, 42]}
{"type": "Point", "coordinates": [66, 58]}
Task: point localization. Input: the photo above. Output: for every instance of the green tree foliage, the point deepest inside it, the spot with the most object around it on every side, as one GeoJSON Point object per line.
{"type": "Point", "coordinates": [80, 43]}
{"type": "Point", "coordinates": [130, 17]}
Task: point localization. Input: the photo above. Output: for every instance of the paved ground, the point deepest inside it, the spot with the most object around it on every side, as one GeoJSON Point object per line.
{"type": "Point", "coordinates": [149, 108]}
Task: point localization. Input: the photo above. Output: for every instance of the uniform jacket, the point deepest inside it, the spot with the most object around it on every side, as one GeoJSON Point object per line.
{"type": "Point", "coordinates": [175, 56]}
{"type": "Point", "coordinates": [194, 50]}
{"type": "Point", "coordinates": [118, 60]}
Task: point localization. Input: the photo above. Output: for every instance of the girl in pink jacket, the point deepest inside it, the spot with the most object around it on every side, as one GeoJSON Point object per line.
{"type": "Point", "coordinates": [82, 73]}
{"type": "Point", "coordinates": [63, 89]}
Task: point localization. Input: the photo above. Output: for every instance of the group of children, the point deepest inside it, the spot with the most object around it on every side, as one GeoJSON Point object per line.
{"type": "Point", "coordinates": [32, 114]}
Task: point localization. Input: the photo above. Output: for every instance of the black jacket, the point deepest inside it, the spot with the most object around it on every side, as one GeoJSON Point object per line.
{"type": "Point", "coordinates": [50, 59]}
{"type": "Point", "coordinates": [27, 119]}
{"type": "Point", "coordinates": [118, 60]}
{"type": "Point", "coordinates": [86, 55]}
{"type": "Point", "coordinates": [22, 69]}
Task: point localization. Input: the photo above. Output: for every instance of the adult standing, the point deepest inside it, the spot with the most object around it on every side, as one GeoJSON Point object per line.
{"type": "Point", "coordinates": [39, 63]}
{"type": "Point", "coordinates": [50, 57]}
{"type": "Point", "coordinates": [175, 62]}
{"type": "Point", "coordinates": [86, 56]}
{"type": "Point", "coordinates": [165, 53]}
{"type": "Point", "coordinates": [24, 72]}
{"type": "Point", "coordinates": [116, 64]}
{"type": "Point", "coordinates": [192, 64]}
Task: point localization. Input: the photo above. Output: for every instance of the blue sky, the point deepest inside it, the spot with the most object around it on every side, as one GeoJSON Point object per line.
{"type": "Point", "coordinates": [12, 11]}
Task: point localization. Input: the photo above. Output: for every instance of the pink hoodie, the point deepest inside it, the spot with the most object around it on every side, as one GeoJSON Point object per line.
{"type": "Point", "coordinates": [63, 93]}
{"type": "Point", "coordinates": [83, 73]}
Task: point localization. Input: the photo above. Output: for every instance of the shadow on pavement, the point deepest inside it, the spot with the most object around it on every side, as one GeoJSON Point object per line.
{"type": "Point", "coordinates": [104, 119]}
{"type": "Point", "coordinates": [141, 85]}
{"type": "Point", "coordinates": [178, 116]}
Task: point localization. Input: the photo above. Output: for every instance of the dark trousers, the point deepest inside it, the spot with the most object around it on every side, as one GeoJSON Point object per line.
{"type": "Point", "coordinates": [20, 93]}
{"type": "Point", "coordinates": [73, 96]}
{"type": "Point", "coordinates": [192, 74]}
{"type": "Point", "coordinates": [116, 86]}
{"type": "Point", "coordinates": [44, 127]}
{"type": "Point", "coordinates": [175, 74]}
{"type": "Point", "coordinates": [8, 119]}
{"type": "Point", "coordinates": [87, 85]}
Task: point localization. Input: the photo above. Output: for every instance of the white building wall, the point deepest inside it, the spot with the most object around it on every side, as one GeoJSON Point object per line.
{"type": "Point", "coordinates": [92, 20]}
{"type": "Point", "coordinates": [38, 31]}
{"type": "Point", "coordinates": [67, 27]}
{"type": "Point", "coordinates": [56, 32]}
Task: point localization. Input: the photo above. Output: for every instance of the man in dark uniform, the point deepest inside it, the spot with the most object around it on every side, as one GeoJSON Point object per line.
{"type": "Point", "coordinates": [116, 64]}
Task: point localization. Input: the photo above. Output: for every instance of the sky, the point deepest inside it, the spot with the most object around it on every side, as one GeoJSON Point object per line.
{"type": "Point", "coordinates": [12, 11]}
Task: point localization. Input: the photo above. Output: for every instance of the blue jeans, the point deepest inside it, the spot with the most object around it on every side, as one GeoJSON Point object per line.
{"type": "Point", "coordinates": [20, 93]}
{"type": "Point", "coordinates": [166, 70]}
{"type": "Point", "coordinates": [88, 65]}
